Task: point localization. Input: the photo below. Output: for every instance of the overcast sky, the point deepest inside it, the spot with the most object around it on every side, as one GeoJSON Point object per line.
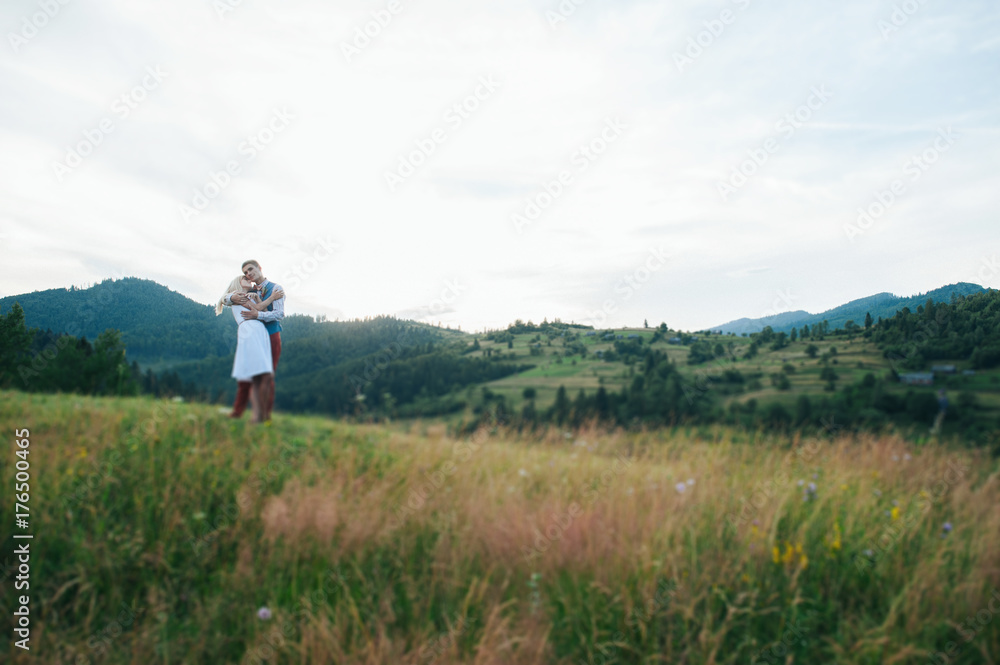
{"type": "Point", "coordinates": [387, 157]}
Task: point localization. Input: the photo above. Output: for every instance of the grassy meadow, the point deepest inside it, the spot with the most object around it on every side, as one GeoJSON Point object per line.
{"type": "Point", "coordinates": [164, 530]}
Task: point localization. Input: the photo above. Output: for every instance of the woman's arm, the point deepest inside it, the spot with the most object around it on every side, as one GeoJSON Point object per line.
{"type": "Point", "coordinates": [262, 306]}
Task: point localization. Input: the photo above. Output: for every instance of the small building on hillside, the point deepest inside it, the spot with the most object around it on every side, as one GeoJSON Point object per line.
{"type": "Point", "coordinates": [917, 378]}
{"type": "Point", "coordinates": [969, 372]}
{"type": "Point", "coordinates": [944, 369]}
{"type": "Point", "coordinates": [674, 340]}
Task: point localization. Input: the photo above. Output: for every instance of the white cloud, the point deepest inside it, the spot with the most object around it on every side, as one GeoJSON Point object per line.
{"type": "Point", "coordinates": [324, 175]}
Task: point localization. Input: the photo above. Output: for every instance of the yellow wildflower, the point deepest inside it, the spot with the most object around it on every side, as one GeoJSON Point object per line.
{"type": "Point", "coordinates": [835, 545]}
{"type": "Point", "coordinates": [843, 487]}
{"type": "Point", "coordinates": [775, 554]}
{"type": "Point", "coordinates": [895, 512]}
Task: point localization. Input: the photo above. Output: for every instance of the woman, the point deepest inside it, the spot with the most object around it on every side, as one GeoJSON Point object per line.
{"type": "Point", "coordinates": [253, 348]}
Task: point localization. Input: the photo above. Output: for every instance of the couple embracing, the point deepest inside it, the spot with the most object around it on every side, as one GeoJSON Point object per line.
{"type": "Point", "coordinates": [258, 305]}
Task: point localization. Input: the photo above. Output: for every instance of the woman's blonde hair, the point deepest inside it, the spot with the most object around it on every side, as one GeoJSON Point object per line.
{"type": "Point", "coordinates": [235, 286]}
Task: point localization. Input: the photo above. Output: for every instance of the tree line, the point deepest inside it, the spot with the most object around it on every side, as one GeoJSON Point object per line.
{"type": "Point", "coordinates": [36, 360]}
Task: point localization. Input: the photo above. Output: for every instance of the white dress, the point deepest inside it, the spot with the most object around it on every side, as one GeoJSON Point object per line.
{"type": "Point", "coordinates": [253, 347]}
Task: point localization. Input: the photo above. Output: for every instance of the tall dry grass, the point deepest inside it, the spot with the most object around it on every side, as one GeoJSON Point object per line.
{"type": "Point", "coordinates": [405, 544]}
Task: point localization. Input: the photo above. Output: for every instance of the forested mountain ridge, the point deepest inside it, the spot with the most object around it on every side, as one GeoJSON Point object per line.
{"type": "Point", "coordinates": [163, 328]}
{"type": "Point", "coordinates": [966, 330]}
{"type": "Point", "coordinates": [158, 325]}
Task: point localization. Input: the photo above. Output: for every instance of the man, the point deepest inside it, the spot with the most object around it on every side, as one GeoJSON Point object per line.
{"type": "Point", "coordinates": [271, 320]}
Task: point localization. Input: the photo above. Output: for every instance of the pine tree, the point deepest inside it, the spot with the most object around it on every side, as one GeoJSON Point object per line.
{"type": "Point", "coordinates": [561, 407]}
{"type": "Point", "coordinates": [602, 404]}
{"type": "Point", "coordinates": [15, 342]}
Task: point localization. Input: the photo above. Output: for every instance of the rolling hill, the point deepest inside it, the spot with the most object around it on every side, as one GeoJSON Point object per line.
{"type": "Point", "coordinates": [387, 367]}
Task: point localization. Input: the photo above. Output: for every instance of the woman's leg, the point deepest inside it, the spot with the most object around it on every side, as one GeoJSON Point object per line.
{"type": "Point", "coordinates": [242, 397]}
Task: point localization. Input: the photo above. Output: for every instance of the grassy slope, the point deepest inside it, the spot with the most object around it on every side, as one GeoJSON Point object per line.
{"type": "Point", "coordinates": [378, 545]}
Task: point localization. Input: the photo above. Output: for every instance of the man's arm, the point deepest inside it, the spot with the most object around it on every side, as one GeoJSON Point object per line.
{"type": "Point", "coordinates": [278, 308]}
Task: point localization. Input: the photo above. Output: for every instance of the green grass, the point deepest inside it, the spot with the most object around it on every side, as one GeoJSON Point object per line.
{"type": "Point", "coordinates": [375, 544]}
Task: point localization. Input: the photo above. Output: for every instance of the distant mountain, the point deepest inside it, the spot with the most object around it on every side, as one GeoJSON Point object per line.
{"type": "Point", "coordinates": [777, 322]}
{"type": "Point", "coordinates": [883, 305]}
